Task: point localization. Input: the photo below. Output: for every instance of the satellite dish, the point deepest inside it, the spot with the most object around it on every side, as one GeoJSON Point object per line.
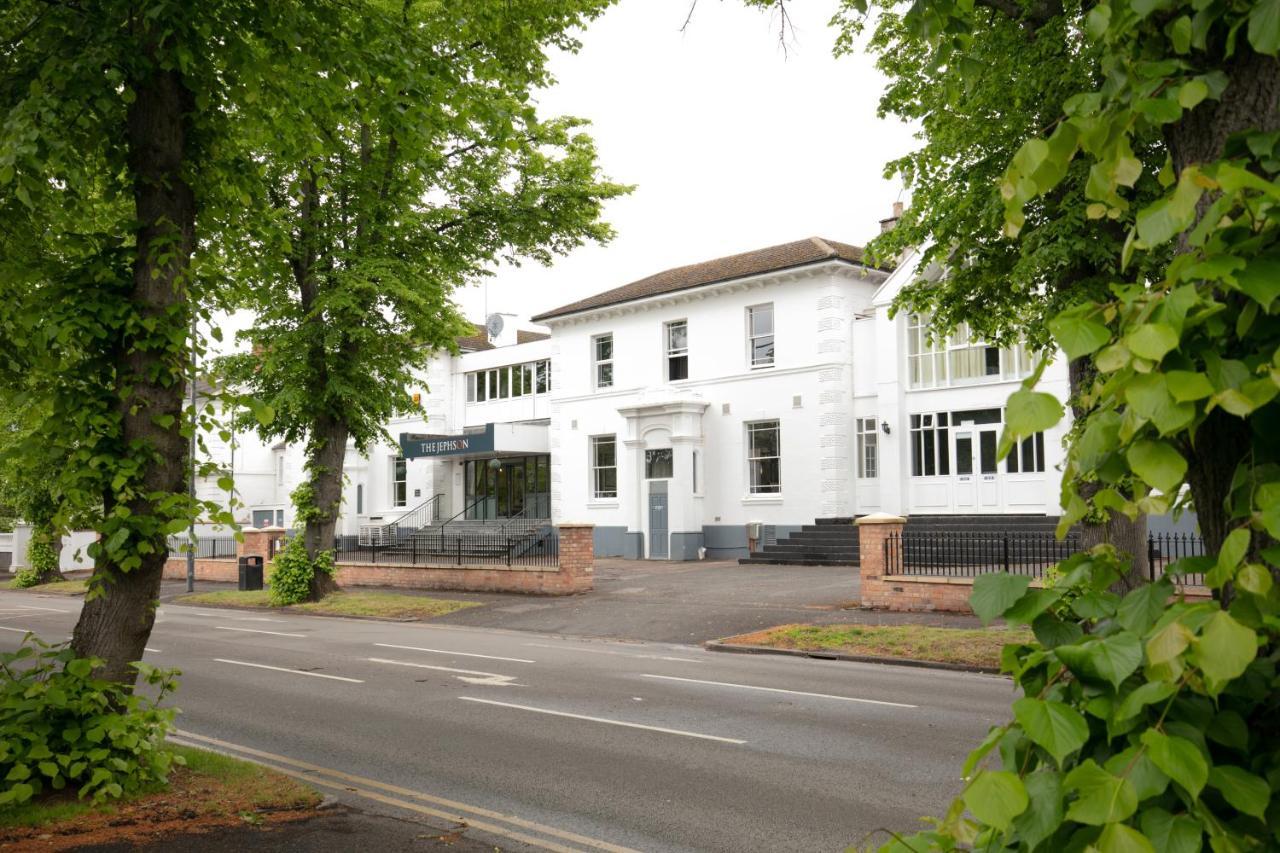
{"type": "Point", "coordinates": [493, 325]}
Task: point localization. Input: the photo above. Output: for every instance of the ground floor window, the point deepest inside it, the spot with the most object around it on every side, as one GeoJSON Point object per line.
{"type": "Point", "coordinates": [399, 481]}
{"type": "Point", "coordinates": [1027, 456]}
{"type": "Point", "coordinates": [930, 453]}
{"type": "Point", "coordinates": [506, 487]}
{"type": "Point", "coordinates": [764, 458]}
{"type": "Point", "coordinates": [604, 466]}
{"type": "Point", "coordinates": [867, 458]}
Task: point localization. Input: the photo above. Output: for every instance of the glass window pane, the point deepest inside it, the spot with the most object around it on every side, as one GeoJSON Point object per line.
{"type": "Point", "coordinates": [658, 464]}
{"type": "Point", "coordinates": [543, 369]}
{"type": "Point", "coordinates": [605, 375]}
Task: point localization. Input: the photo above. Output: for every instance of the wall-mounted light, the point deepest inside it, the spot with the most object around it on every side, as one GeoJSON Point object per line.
{"type": "Point", "coordinates": [494, 464]}
{"type": "Point", "coordinates": [884, 425]}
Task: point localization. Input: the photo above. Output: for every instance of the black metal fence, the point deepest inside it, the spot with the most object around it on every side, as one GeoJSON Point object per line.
{"type": "Point", "coordinates": [472, 548]}
{"type": "Point", "coordinates": [963, 554]}
{"type": "Point", "coordinates": [206, 547]}
{"type": "Point", "coordinates": [1165, 549]}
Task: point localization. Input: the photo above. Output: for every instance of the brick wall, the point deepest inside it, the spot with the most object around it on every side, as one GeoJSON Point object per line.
{"type": "Point", "coordinates": [574, 574]}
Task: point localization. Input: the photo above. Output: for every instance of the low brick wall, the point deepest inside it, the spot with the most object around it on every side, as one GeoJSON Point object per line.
{"type": "Point", "coordinates": [574, 574]}
{"type": "Point", "coordinates": [225, 569]}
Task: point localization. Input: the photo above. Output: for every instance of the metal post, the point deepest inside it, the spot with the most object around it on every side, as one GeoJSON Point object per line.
{"type": "Point", "coordinates": [1004, 540]}
{"type": "Point", "coordinates": [191, 473]}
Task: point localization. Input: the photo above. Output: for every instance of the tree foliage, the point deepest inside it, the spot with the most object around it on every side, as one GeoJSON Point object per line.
{"type": "Point", "coordinates": [430, 164]}
{"type": "Point", "coordinates": [1147, 722]}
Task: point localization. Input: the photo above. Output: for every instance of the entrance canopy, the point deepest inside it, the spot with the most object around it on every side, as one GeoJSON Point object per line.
{"type": "Point", "coordinates": [513, 439]}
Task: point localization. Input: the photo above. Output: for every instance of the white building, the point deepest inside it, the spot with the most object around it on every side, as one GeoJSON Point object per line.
{"type": "Point", "coordinates": [769, 386]}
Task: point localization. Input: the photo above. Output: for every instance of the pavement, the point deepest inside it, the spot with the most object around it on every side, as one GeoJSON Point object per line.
{"type": "Point", "coordinates": [674, 602]}
{"type": "Point", "coordinates": [523, 740]}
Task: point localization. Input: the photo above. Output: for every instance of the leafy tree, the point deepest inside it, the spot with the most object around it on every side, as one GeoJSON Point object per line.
{"type": "Point", "coordinates": [119, 147]}
{"type": "Point", "coordinates": [27, 489]}
{"type": "Point", "coordinates": [428, 166]}
{"type": "Point", "coordinates": [1148, 721]}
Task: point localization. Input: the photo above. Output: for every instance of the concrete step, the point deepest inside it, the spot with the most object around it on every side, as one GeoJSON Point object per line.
{"type": "Point", "coordinates": [757, 560]}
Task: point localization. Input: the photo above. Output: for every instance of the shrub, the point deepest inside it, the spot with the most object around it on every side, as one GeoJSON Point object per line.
{"type": "Point", "coordinates": [60, 727]}
{"type": "Point", "coordinates": [43, 561]}
{"type": "Point", "coordinates": [292, 572]}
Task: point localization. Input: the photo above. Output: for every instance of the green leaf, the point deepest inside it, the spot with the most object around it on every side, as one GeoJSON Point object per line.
{"type": "Point", "coordinates": [1030, 412]}
{"type": "Point", "coordinates": [1118, 838]}
{"type": "Point", "coordinates": [1044, 808]}
{"type": "Point", "coordinates": [1157, 463]}
{"type": "Point", "coordinates": [1264, 27]}
{"type": "Point", "coordinates": [1223, 651]}
{"type": "Point", "coordinates": [1112, 659]}
{"type": "Point", "coordinates": [1161, 220]}
{"type": "Point", "coordinates": [1142, 696]}
{"type": "Point", "coordinates": [1057, 727]}
{"type": "Point", "coordinates": [1250, 794]}
{"type": "Point", "coordinates": [1186, 385]}
{"type": "Point", "coordinates": [1140, 609]}
{"type": "Point", "coordinates": [1179, 758]}
{"type": "Point", "coordinates": [1192, 93]}
{"type": "Point", "coordinates": [996, 797]}
{"type": "Point", "coordinates": [1171, 834]}
{"type": "Point", "coordinates": [1103, 797]}
{"type": "Point", "coordinates": [1134, 764]}
{"type": "Point", "coordinates": [1077, 335]}
{"type": "Point", "coordinates": [1152, 340]}
{"type": "Point", "coordinates": [1260, 279]}
{"type": "Point", "coordinates": [993, 594]}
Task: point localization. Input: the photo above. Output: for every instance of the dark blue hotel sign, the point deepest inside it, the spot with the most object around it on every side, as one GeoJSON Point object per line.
{"type": "Point", "coordinates": [415, 445]}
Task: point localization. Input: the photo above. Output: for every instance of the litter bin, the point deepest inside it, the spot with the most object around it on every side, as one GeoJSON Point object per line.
{"type": "Point", "coordinates": [250, 573]}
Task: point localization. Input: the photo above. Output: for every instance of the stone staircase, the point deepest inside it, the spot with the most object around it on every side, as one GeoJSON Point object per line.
{"type": "Point", "coordinates": [826, 542]}
{"type": "Point", "coordinates": [834, 541]}
{"type": "Point", "coordinates": [474, 537]}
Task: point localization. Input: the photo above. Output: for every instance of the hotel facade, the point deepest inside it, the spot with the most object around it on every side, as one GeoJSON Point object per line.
{"type": "Point", "coordinates": [672, 412]}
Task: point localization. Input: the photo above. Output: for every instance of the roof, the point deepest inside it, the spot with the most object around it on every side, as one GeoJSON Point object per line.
{"type": "Point", "coordinates": [524, 336]}
{"type": "Point", "coordinates": [773, 259]}
{"type": "Point", "coordinates": [479, 340]}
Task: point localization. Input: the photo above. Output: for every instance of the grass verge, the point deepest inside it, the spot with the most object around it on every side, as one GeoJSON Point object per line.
{"type": "Point", "coordinates": [55, 588]}
{"type": "Point", "coordinates": [968, 646]}
{"type": "Point", "coordinates": [387, 605]}
{"type": "Point", "coordinates": [212, 791]}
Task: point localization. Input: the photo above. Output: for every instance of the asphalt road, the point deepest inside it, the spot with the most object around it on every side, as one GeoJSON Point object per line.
{"type": "Point", "coordinates": [539, 741]}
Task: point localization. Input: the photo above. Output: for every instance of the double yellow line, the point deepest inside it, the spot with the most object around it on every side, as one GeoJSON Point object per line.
{"type": "Point", "coordinates": [496, 823]}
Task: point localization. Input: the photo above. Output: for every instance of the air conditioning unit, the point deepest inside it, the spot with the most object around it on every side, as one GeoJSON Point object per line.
{"type": "Point", "coordinates": [377, 535]}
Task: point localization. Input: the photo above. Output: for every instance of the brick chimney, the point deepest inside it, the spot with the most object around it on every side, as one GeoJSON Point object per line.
{"type": "Point", "coordinates": [888, 224]}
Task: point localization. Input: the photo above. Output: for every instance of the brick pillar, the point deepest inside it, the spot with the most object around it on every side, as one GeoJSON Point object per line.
{"type": "Point", "coordinates": [873, 530]}
{"type": "Point", "coordinates": [577, 554]}
{"type": "Point", "coordinates": [258, 542]}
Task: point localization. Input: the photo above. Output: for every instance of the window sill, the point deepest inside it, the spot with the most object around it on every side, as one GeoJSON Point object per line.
{"type": "Point", "coordinates": [771, 498]}
{"type": "Point", "coordinates": [603, 503]}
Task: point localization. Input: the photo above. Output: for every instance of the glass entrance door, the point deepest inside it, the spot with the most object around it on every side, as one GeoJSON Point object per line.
{"type": "Point", "coordinates": [516, 486]}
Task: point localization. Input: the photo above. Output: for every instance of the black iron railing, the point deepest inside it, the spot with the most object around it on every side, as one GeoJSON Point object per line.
{"type": "Point", "coordinates": [1165, 549]}
{"type": "Point", "coordinates": [206, 547]}
{"type": "Point", "coordinates": [962, 554]}
{"type": "Point", "coordinates": [433, 547]}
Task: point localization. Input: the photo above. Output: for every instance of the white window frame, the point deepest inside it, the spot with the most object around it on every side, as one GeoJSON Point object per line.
{"type": "Point", "coordinates": [676, 352]}
{"type": "Point", "coordinates": [752, 336]}
{"type": "Point", "coordinates": [597, 493]}
{"type": "Point", "coordinates": [1027, 456]}
{"type": "Point", "coordinates": [868, 448]}
{"type": "Point", "coordinates": [399, 488]}
{"type": "Point", "coordinates": [598, 364]}
{"type": "Point", "coordinates": [753, 487]}
{"type": "Point", "coordinates": [934, 362]}
{"type": "Point", "coordinates": [936, 446]}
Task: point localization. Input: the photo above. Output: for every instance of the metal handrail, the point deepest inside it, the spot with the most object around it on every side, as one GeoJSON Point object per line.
{"type": "Point", "coordinates": [523, 513]}
{"type": "Point", "coordinates": [460, 513]}
{"type": "Point", "coordinates": [434, 499]}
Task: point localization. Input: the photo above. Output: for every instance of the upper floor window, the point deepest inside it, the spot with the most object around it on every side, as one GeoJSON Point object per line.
{"type": "Point", "coordinates": [279, 468]}
{"type": "Point", "coordinates": [764, 458]}
{"type": "Point", "coordinates": [867, 458]}
{"type": "Point", "coordinates": [512, 380]}
{"type": "Point", "coordinates": [677, 350]}
{"type": "Point", "coordinates": [602, 360]}
{"type": "Point", "coordinates": [399, 481]}
{"type": "Point", "coordinates": [760, 335]}
{"type": "Point", "coordinates": [604, 466]}
{"type": "Point", "coordinates": [958, 359]}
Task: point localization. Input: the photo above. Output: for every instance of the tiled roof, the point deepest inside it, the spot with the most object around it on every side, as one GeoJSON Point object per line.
{"type": "Point", "coordinates": [524, 336]}
{"type": "Point", "coordinates": [772, 259]}
{"type": "Point", "coordinates": [475, 342]}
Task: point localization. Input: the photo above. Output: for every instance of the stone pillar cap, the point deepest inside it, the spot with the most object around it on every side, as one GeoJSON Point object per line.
{"type": "Point", "coordinates": [573, 524]}
{"type": "Point", "coordinates": [880, 518]}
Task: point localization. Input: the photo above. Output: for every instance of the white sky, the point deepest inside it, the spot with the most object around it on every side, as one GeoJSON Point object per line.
{"type": "Point", "coordinates": [733, 145]}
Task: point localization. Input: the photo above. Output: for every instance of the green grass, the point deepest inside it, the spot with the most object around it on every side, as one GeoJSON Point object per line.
{"type": "Point", "coordinates": [387, 605]}
{"type": "Point", "coordinates": [55, 588]}
{"type": "Point", "coordinates": [971, 646]}
{"type": "Point", "coordinates": [206, 773]}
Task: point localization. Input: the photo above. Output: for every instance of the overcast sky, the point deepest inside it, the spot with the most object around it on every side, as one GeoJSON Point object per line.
{"type": "Point", "coordinates": [733, 145]}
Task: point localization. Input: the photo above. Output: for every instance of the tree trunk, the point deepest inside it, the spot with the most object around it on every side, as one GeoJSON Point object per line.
{"type": "Point", "coordinates": [325, 457]}
{"type": "Point", "coordinates": [1128, 537]}
{"type": "Point", "coordinates": [115, 626]}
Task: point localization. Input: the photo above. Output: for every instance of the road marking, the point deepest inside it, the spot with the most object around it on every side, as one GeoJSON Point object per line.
{"type": "Point", "coordinates": [16, 630]}
{"type": "Point", "coordinates": [20, 608]}
{"type": "Point", "coordinates": [149, 649]}
{"type": "Point", "coordinates": [609, 652]}
{"type": "Point", "coordinates": [294, 671]}
{"type": "Point", "coordinates": [312, 769]}
{"type": "Point", "coordinates": [258, 631]}
{"type": "Point", "coordinates": [471, 676]}
{"type": "Point", "coordinates": [459, 654]}
{"type": "Point", "coordinates": [780, 690]}
{"type": "Point", "coordinates": [589, 719]}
